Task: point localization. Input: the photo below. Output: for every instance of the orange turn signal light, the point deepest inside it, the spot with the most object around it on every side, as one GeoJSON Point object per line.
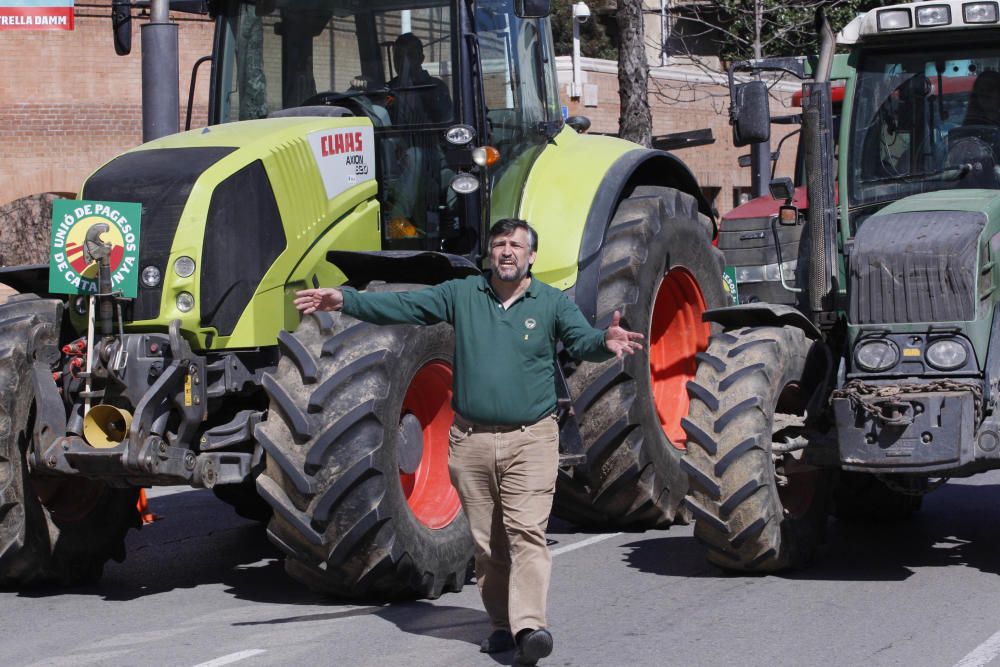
{"type": "Point", "coordinates": [401, 228]}
{"type": "Point", "coordinates": [485, 156]}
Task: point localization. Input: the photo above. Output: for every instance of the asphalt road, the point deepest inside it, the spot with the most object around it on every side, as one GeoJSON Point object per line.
{"type": "Point", "coordinates": [203, 587]}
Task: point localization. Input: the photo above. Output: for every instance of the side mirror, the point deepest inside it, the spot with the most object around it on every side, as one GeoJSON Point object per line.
{"type": "Point", "coordinates": [532, 9]}
{"type": "Point", "coordinates": [751, 115]}
{"type": "Point", "coordinates": [121, 26]}
{"type": "Point", "coordinates": [579, 123]}
{"type": "Point", "coordinates": [782, 189]}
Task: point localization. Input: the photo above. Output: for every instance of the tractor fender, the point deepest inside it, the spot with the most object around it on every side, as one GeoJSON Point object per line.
{"type": "Point", "coordinates": [27, 278]}
{"type": "Point", "coordinates": [573, 190]}
{"type": "Point", "coordinates": [400, 266]}
{"type": "Point", "coordinates": [762, 315]}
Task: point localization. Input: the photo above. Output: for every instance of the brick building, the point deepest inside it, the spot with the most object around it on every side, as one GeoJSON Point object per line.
{"type": "Point", "coordinates": [683, 98]}
{"type": "Point", "coordinates": [68, 103]}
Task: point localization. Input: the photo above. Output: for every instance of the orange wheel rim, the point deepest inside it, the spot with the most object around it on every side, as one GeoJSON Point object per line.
{"type": "Point", "coordinates": [428, 489]}
{"type": "Point", "coordinates": [676, 334]}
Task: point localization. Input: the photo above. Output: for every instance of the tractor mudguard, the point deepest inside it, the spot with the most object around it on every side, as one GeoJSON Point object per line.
{"type": "Point", "coordinates": [400, 266]}
{"type": "Point", "coordinates": [27, 278]}
{"type": "Point", "coordinates": [574, 188]}
{"type": "Point", "coordinates": [762, 315]}
{"type": "Point", "coordinates": [639, 167]}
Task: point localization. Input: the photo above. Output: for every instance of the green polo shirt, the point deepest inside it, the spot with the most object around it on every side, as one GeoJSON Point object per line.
{"type": "Point", "coordinates": [505, 359]}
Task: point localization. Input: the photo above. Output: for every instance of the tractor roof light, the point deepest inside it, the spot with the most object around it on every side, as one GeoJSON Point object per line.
{"type": "Point", "coordinates": [894, 19]}
{"type": "Point", "coordinates": [464, 183]}
{"type": "Point", "coordinates": [980, 12]}
{"type": "Point", "coordinates": [933, 15]}
{"type": "Point", "coordinates": [460, 135]}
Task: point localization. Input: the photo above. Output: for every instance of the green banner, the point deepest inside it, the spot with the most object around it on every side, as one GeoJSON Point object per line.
{"type": "Point", "coordinates": [729, 284]}
{"type": "Point", "coordinates": [84, 230]}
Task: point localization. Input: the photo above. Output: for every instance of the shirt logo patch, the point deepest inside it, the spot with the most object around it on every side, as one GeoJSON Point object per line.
{"type": "Point", "coordinates": [530, 323]}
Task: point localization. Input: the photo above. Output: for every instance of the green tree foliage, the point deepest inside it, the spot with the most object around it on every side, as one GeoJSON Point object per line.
{"type": "Point", "coordinates": [598, 37]}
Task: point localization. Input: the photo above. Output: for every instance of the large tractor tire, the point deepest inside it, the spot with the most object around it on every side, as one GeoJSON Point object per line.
{"type": "Point", "coordinates": [754, 509]}
{"type": "Point", "coordinates": [357, 460]}
{"type": "Point", "coordinates": [659, 268]}
{"type": "Point", "coordinates": [52, 529]}
{"type": "Point", "coordinates": [863, 497]}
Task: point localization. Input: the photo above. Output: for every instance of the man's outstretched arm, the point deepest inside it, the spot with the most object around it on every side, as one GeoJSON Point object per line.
{"type": "Point", "coordinates": [429, 305]}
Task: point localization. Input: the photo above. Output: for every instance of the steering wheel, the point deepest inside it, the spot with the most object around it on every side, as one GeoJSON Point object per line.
{"type": "Point", "coordinates": [357, 102]}
{"type": "Point", "coordinates": [975, 145]}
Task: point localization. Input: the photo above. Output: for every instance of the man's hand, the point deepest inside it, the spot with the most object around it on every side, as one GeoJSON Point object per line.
{"type": "Point", "coordinates": [621, 341]}
{"type": "Point", "coordinates": [324, 298]}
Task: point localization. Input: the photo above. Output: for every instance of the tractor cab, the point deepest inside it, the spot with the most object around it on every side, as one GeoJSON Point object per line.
{"type": "Point", "coordinates": [449, 89]}
{"type": "Point", "coordinates": [923, 120]}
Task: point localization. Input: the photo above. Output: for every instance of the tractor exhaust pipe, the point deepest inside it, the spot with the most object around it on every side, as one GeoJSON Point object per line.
{"type": "Point", "coordinates": [160, 74]}
{"type": "Point", "coordinates": [817, 138]}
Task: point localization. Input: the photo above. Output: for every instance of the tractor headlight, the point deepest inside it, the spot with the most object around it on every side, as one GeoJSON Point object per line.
{"type": "Point", "coordinates": [980, 12]}
{"type": "Point", "coordinates": [876, 355]}
{"type": "Point", "coordinates": [185, 302]}
{"type": "Point", "coordinates": [894, 19]}
{"type": "Point", "coordinates": [184, 267]}
{"type": "Point", "coordinates": [946, 354]}
{"type": "Point", "coordinates": [151, 276]}
{"type": "Point", "coordinates": [464, 183]}
{"type": "Point", "coordinates": [933, 15]}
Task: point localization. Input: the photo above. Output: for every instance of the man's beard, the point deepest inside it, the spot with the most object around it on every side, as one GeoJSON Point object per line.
{"type": "Point", "coordinates": [519, 273]}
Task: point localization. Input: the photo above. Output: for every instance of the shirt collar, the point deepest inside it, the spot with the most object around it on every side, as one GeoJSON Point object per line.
{"type": "Point", "coordinates": [531, 292]}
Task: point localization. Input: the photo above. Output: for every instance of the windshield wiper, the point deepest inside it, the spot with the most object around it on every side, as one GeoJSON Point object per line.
{"type": "Point", "coordinates": [947, 174]}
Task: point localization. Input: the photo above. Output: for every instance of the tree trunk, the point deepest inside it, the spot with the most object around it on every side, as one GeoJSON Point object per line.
{"type": "Point", "coordinates": [635, 122]}
{"type": "Point", "coordinates": [25, 227]}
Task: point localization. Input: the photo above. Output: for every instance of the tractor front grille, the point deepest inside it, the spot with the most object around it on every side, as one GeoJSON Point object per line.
{"type": "Point", "coordinates": [915, 267]}
{"type": "Point", "coordinates": [160, 180]}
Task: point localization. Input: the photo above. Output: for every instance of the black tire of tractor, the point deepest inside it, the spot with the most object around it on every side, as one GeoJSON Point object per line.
{"type": "Point", "coordinates": [746, 377]}
{"type": "Point", "coordinates": [632, 479]}
{"type": "Point", "coordinates": [332, 476]}
{"type": "Point", "coordinates": [66, 539]}
{"type": "Point", "coordinates": [863, 497]}
{"type": "Point", "coordinates": [244, 499]}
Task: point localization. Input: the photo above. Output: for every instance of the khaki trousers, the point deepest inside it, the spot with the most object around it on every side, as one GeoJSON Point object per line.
{"type": "Point", "coordinates": [505, 477]}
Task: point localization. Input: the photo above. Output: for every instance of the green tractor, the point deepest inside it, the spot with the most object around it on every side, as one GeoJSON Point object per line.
{"type": "Point", "coordinates": [364, 143]}
{"type": "Point", "coordinates": [882, 381]}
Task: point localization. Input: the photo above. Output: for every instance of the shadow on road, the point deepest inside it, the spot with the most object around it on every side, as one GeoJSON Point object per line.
{"type": "Point", "coordinates": [198, 540]}
{"type": "Point", "coordinates": [959, 525]}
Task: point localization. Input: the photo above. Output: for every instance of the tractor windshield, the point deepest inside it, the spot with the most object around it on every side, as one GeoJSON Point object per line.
{"type": "Point", "coordinates": [925, 121]}
{"type": "Point", "coordinates": [388, 60]}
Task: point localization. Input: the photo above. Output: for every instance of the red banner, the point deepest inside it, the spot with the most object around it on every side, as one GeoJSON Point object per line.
{"type": "Point", "coordinates": [36, 18]}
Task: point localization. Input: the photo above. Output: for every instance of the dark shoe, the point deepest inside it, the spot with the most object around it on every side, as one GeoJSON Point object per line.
{"type": "Point", "coordinates": [498, 642]}
{"type": "Point", "coordinates": [532, 646]}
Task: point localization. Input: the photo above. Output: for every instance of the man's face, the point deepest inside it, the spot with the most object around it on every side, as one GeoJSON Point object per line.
{"type": "Point", "coordinates": [511, 256]}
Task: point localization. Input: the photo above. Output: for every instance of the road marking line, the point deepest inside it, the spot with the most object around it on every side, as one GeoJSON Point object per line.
{"type": "Point", "coordinates": [231, 658]}
{"type": "Point", "coordinates": [982, 654]}
{"type": "Point", "coordinates": [583, 543]}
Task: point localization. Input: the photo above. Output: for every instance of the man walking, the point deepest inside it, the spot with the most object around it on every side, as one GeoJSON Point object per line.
{"type": "Point", "coordinates": [504, 443]}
